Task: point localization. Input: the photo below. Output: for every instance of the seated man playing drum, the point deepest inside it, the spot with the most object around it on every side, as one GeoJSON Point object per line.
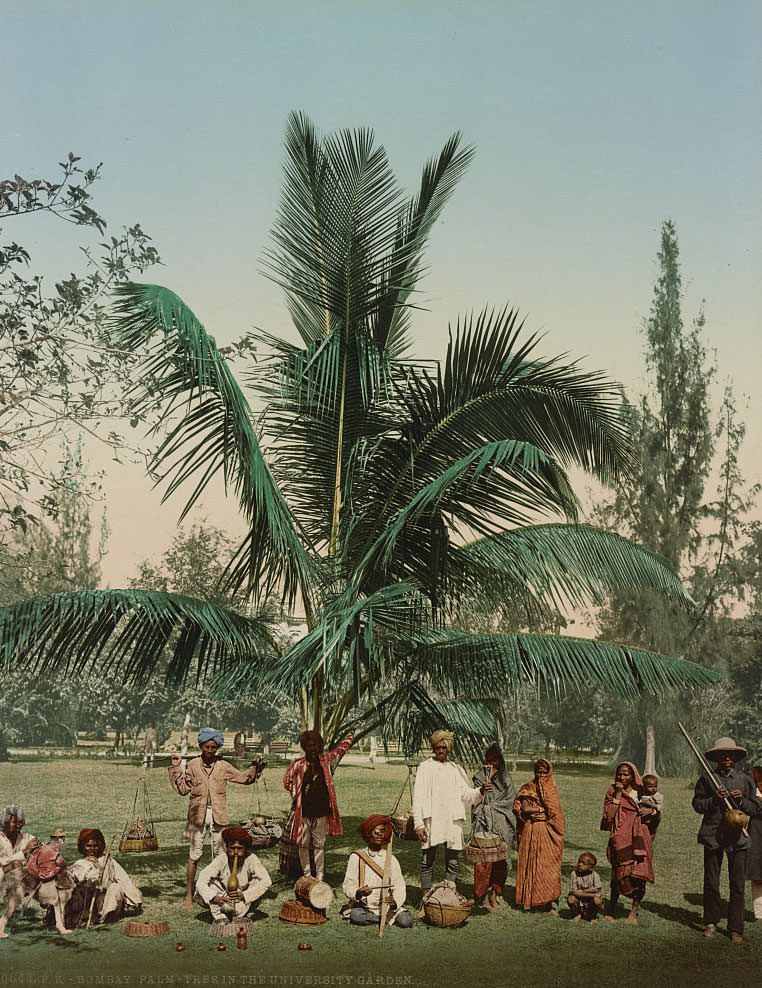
{"type": "Point", "coordinates": [236, 880]}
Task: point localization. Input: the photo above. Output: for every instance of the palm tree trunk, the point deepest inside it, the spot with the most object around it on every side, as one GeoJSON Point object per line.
{"type": "Point", "coordinates": [650, 761]}
{"type": "Point", "coordinates": [337, 489]}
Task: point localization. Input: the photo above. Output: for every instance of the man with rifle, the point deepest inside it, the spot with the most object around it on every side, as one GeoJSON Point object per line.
{"type": "Point", "coordinates": [726, 800]}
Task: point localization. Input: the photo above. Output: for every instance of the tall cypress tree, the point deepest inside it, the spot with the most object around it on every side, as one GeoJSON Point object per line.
{"type": "Point", "coordinates": [667, 503]}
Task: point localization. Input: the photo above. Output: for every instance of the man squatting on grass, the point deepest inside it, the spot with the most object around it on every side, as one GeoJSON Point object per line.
{"type": "Point", "coordinates": [253, 880]}
{"type": "Point", "coordinates": [364, 879]}
{"type": "Point", "coordinates": [206, 778]}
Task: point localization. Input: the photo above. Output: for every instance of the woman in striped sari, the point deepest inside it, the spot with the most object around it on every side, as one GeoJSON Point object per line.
{"type": "Point", "coordinates": [540, 833]}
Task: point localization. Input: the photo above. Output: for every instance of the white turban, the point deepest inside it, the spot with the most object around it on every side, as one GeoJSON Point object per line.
{"type": "Point", "coordinates": [446, 736]}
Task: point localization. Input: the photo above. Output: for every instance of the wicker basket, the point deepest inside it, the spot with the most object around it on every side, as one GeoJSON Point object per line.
{"type": "Point", "coordinates": [446, 916]}
{"type": "Point", "coordinates": [481, 850]}
{"type": "Point", "coordinates": [230, 928]}
{"type": "Point", "coordinates": [403, 826]}
{"type": "Point", "coordinates": [263, 833]}
{"type": "Point", "coordinates": [299, 914]}
{"type": "Point", "coordinates": [288, 859]}
{"type": "Point", "coordinates": [152, 929]}
{"type": "Point", "coordinates": [131, 844]}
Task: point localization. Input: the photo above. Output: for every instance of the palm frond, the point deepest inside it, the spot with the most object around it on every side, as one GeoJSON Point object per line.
{"type": "Point", "coordinates": [129, 633]}
{"type": "Point", "coordinates": [527, 478]}
{"type": "Point", "coordinates": [186, 373]}
{"type": "Point", "coordinates": [337, 221]}
{"type": "Point", "coordinates": [493, 664]}
{"type": "Point", "coordinates": [440, 176]}
{"type": "Point", "coordinates": [491, 389]}
{"type": "Point", "coordinates": [354, 640]}
{"type": "Point", "coordinates": [562, 565]}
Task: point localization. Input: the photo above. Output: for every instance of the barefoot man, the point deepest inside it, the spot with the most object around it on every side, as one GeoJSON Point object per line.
{"type": "Point", "coordinates": [205, 778]}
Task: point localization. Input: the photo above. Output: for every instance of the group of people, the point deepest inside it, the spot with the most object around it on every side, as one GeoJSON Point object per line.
{"type": "Point", "coordinates": [375, 886]}
{"type": "Point", "coordinates": [94, 889]}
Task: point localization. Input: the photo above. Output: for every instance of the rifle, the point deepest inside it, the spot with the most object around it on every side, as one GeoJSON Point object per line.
{"type": "Point", "coordinates": [734, 815]}
{"type": "Point", "coordinates": [100, 880]}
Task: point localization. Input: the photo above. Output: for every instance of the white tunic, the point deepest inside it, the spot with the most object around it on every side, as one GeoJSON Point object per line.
{"type": "Point", "coordinates": [10, 853]}
{"type": "Point", "coordinates": [373, 900]}
{"type": "Point", "coordinates": [441, 789]}
{"type": "Point", "coordinates": [119, 888]}
{"type": "Point", "coordinates": [253, 880]}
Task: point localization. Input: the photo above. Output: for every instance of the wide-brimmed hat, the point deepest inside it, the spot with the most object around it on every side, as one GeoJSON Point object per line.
{"type": "Point", "coordinates": [58, 833]}
{"type": "Point", "coordinates": [725, 744]}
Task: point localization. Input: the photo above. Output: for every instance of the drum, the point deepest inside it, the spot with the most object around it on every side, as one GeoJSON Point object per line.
{"type": "Point", "coordinates": [314, 892]}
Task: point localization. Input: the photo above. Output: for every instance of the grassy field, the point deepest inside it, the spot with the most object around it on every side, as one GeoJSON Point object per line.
{"type": "Point", "coordinates": [502, 948]}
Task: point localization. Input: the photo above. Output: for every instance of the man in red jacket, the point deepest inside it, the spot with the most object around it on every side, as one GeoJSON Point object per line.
{"type": "Point", "coordinates": [315, 811]}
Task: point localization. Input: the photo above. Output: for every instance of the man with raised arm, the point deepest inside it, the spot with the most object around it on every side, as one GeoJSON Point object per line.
{"type": "Point", "coordinates": [206, 778]}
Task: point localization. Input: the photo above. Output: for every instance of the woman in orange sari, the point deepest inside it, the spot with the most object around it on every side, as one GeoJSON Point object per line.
{"type": "Point", "coordinates": [540, 833]}
{"type": "Point", "coordinates": [631, 829]}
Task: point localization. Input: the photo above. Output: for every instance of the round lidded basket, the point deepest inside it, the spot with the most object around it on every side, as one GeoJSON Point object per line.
{"type": "Point", "coordinates": [133, 844]}
{"type": "Point", "coordinates": [299, 914]}
{"type": "Point", "coordinates": [155, 928]}
{"type": "Point", "coordinates": [449, 917]}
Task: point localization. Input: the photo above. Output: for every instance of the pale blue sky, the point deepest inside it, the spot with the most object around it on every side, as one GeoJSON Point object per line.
{"type": "Point", "coordinates": [593, 122]}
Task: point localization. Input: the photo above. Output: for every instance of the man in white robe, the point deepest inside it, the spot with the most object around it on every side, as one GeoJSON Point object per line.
{"type": "Point", "coordinates": [441, 788]}
{"type": "Point", "coordinates": [117, 894]}
{"type": "Point", "coordinates": [252, 878]}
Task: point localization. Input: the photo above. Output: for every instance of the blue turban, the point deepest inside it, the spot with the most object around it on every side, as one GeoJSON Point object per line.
{"type": "Point", "coordinates": [209, 734]}
{"type": "Point", "coordinates": [10, 811]}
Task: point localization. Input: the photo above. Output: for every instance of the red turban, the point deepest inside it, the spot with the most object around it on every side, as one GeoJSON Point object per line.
{"type": "Point", "coordinates": [88, 835]}
{"type": "Point", "coordinates": [373, 821]}
{"type": "Point", "coordinates": [231, 834]}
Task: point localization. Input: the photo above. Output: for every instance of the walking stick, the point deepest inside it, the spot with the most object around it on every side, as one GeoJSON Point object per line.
{"type": "Point", "coordinates": [734, 815]}
{"type": "Point", "coordinates": [100, 879]}
{"type": "Point", "coordinates": [385, 882]}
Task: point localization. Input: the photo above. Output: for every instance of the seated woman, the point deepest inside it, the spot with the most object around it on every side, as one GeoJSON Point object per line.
{"type": "Point", "coordinates": [101, 881]}
{"type": "Point", "coordinates": [365, 877]}
{"type": "Point", "coordinates": [630, 850]}
{"type": "Point", "coordinates": [236, 880]}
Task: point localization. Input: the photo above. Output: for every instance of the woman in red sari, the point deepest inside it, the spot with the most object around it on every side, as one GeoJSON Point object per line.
{"type": "Point", "coordinates": [630, 849]}
{"type": "Point", "coordinates": [540, 833]}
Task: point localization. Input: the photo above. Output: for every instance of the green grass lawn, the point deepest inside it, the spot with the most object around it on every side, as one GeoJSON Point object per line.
{"type": "Point", "coordinates": [502, 948]}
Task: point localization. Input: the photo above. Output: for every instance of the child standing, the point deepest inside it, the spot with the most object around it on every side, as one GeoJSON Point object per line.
{"type": "Point", "coordinates": [584, 898]}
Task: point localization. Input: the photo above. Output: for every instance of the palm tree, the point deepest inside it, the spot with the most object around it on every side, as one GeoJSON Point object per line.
{"type": "Point", "coordinates": [379, 492]}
